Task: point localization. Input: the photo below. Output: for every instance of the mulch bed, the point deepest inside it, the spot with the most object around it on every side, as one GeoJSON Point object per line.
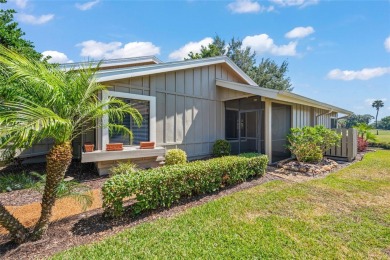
{"type": "Point", "coordinates": [90, 226]}
{"type": "Point", "coordinates": [83, 172]}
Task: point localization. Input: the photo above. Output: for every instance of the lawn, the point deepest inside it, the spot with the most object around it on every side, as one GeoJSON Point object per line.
{"type": "Point", "coordinates": [345, 215]}
{"type": "Point", "coordinates": [383, 137]}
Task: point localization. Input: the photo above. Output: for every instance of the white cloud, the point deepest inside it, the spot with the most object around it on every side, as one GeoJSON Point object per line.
{"type": "Point", "coordinates": [36, 20]}
{"type": "Point", "coordinates": [299, 32]}
{"type": "Point", "coordinates": [248, 6]}
{"type": "Point", "coordinates": [364, 74]}
{"type": "Point", "coordinates": [244, 6]}
{"type": "Point", "coordinates": [387, 44]}
{"type": "Point", "coordinates": [182, 53]}
{"type": "Point", "coordinates": [115, 50]}
{"type": "Point", "coordinates": [20, 3]}
{"type": "Point", "coordinates": [262, 43]}
{"type": "Point", "coordinates": [56, 57]}
{"type": "Point", "coordinates": [87, 5]}
{"type": "Point", "coordinates": [297, 3]}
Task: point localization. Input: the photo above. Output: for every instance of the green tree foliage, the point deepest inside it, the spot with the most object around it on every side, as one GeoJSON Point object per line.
{"type": "Point", "coordinates": [51, 103]}
{"type": "Point", "coordinates": [11, 36]}
{"type": "Point", "coordinates": [267, 74]}
{"type": "Point", "coordinates": [216, 48]}
{"type": "Point", "coordinates": [384, 123]}
{"type": "Point", "coordinates": [354, 120]}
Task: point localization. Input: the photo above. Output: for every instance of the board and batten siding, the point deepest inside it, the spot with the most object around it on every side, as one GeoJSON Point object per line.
{"type": "Point", "coordinates": [309, 116]}
{"type": "Point", "coordinates": [189, 112]}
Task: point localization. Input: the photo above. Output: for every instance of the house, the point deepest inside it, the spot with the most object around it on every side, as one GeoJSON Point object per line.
{"type": "Point", "coordinates": [190, 104]}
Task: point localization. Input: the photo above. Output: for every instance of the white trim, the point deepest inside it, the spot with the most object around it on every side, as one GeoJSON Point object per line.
{"type": "Point", "coordinates": [122, 73]}
{"type": "Point", "coordinates": [111, 62]}
{"type": "Point", "coordinates": [279, 95]}
{"type": "Point", "coordinates": [152, 114]}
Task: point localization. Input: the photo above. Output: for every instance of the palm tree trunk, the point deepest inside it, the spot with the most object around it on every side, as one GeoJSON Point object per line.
{"type": "Point", "coordinates": [18, 232]}
{"type": "Point", "coordinates": [376, 121]}
{"type": "Point", "coordinates": [57, 163]}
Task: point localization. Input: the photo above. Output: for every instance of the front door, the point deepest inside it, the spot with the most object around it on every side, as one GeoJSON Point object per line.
{"type": "Point", "coordinates": [249, 132]}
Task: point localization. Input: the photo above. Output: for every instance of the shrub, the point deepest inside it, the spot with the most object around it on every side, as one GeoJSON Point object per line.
{"type": "Point", "coordinates": [308, 144]}
{"type": "Point", "coordinates": [16, 181]}
{"type": "Point", "coordinates": [123, 167]}
{"type": "Point", "coordinates": [249, 155]}
{"type": "Point", "coordinates": [175, 156]}
{"type": "Point", "coordinates": [383, 145]}
{"type": "Point", "coordinates": [362, 144]}
{"type": "Point", "coordinates": [163, 186]}
{"type": "Point", "coordinates": [221, 148]}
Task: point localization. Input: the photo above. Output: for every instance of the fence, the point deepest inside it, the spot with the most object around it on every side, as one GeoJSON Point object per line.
{"type": "Point", "coordinates": [347, 148]}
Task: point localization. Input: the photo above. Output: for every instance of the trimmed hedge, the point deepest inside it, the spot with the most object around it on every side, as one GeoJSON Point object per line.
{"type": "Point", "coordinates": [161, 187]}
{"type": "Point", "coordinates": [383, 145]}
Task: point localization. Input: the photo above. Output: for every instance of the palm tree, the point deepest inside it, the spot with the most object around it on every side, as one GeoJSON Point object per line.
{"type": "Point", "coordinates": [50, 103]}
{"type": "Point", "coordinates": [377, 104]}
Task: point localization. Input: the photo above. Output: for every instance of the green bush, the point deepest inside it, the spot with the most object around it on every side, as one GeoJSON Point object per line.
{"type": "Point", "coordinates": [308, 144]}
{"type": "Point", "coordinates": [383, 145]}
{"type": "Point", "coordinates": [163, 186]}
{"type": "Point", "coordinates": [175, 156]}
{"type": "Point", "coordinates": [123, 167]}
{"type": "Point", "coordinates": [221, 148]}
{"type": "Point", "coordinates": [249, 155]}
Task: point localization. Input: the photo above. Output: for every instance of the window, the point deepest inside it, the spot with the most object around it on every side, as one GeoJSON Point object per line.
{"type": "Point", "coordinates": [146, 105]}
{"type": "Point", "coordinates": [231, 125]}
{"type": "Point", "coordinates": [140, 134]}
{"type": "Point", "coordinates": [333, 123]}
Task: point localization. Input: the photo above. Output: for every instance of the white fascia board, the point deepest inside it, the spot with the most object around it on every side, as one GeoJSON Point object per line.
{"type": "Point", "coordinates": [254, 90]}
{"type": "Point", "coordinates": [280, 96]}
{"type": "Point", "coordinates": [291, 97]}
{"type": "Point", "coordinates": [117, 74]}
{"type": "Point", "coordinates": [112, 62]}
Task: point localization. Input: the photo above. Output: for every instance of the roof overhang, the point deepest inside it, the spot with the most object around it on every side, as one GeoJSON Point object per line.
{"type": "Point", "coordinates": [123, 73]}
{"type": "Point", "coordinates": [279, 95]}
{"type": "Point", "coordinates": [106, 64]}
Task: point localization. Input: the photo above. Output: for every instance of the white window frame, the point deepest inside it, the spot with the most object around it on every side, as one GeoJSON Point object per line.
{"type": "Point", "coordinates": [152, 114]}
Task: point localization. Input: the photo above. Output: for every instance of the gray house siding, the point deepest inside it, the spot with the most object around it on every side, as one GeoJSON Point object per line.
{"type": "Point", "coordinates": [190, 114]}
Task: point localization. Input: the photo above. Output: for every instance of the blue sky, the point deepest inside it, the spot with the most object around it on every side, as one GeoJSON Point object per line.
{"type": "Point", "coordinates": [338, 51]}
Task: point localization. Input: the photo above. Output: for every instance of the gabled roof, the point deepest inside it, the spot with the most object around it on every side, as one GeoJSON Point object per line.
{"type": "Point", "coordinates": [107, 64]}
{"type": "Point", "coordinates": [122, 73]}
{"type": "Point", "coordinates": [280, 95]}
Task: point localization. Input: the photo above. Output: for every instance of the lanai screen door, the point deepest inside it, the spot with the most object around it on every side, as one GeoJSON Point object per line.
{"type": "Point", "coordinates": [243, 125]}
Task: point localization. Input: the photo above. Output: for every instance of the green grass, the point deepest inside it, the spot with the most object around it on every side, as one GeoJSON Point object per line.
{"type": "Point", "coordinates": [343, 216]}
{"type": "Point", "coordinates": [383, 137]}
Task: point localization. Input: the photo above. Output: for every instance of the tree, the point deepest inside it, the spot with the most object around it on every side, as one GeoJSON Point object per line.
{"type": "Point", "coordinates": [354, 119]}
{"type": "Point", "coordinates": [55, 104]}
{"type": "Point", "coordinates": [11, 35]}
{"type": "Point", "coordinates": [216, 48]}
{"type": "Point", "coordinates": [267, 74]}
{"type": "Point", "coordinates": [377, 104]}
{"type": "Point", "coordinates": [384, 123]}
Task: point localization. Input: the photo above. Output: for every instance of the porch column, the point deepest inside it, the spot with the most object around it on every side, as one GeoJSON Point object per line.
{"type": "Point", "coordinates": [268, 129]}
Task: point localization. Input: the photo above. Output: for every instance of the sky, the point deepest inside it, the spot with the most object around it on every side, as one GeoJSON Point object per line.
{"type": "Point", "coordinates": [338, 51]}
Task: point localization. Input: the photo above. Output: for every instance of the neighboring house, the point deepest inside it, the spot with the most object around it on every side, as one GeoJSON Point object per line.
{"type": "Point", "coordinates": [190, 104]}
